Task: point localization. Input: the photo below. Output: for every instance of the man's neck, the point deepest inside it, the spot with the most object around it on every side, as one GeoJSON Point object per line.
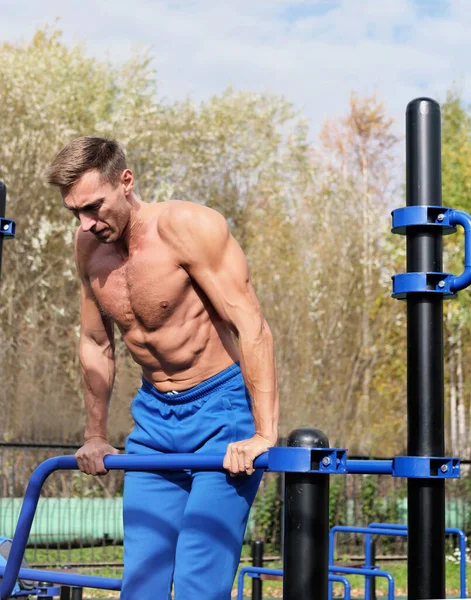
{"type": "Point", "coordinates": [132, 232]}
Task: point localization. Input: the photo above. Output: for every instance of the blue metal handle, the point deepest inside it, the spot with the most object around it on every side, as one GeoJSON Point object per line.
{"type": "Point", "coordinates": [459, 282]}
{"type": "Point", "coordinates": [129, 462]}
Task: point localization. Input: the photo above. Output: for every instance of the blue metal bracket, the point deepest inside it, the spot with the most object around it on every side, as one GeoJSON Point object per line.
{"type": "Point", "coordinates": [418, 216]}
{"type": "Point", "coordinates": [308, 460]}
{"type": "Point", "coordinates": [426, 467]}
{"type": "Point", "coordinates": [47, 591]}
{"type": "Point", "coordinates": [432, 283]}
{"type": "Point", "coordinates": [7, 228]}
{"type": "Point", "coordinates": [423, 283]}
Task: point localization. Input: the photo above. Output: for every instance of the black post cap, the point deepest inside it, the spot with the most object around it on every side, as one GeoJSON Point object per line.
{"type": "Point", "coordinates": [307, 437]}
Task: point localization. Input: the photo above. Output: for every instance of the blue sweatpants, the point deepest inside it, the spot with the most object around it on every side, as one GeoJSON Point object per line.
{"type": "Point", "coordinates": [187, 527]}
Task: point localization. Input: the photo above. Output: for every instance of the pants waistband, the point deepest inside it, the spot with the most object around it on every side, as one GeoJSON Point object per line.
{"type": "Point", "coordinates": [198, 391]}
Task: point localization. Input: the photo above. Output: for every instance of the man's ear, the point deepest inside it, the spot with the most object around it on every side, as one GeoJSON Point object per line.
{"type": "Point", "coordinates": [127, 180]}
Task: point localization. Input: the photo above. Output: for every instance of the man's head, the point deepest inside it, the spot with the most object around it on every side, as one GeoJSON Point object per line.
{"type": "Point", "coordinates": [95, 184]}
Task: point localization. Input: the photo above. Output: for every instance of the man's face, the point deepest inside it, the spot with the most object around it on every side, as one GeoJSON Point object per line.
{"type": "Point", "coordinates": [100, 207]}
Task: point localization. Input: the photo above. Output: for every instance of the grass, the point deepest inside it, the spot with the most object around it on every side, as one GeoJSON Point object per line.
{"type": "Point", "coordinates": [271, 589]}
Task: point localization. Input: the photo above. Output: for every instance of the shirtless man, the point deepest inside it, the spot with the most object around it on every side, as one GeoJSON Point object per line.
{"type": "Point", "coordinates": [176, 284]}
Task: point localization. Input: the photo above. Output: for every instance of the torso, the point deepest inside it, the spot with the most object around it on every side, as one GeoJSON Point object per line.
{"type": "Point", "coordinates": [166, 321]}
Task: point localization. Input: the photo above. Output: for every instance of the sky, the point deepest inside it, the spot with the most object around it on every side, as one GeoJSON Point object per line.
{"type": "Point", "coordinates": [314, 53]}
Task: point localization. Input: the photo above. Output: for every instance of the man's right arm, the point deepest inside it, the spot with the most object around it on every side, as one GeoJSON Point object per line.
{"type": "Point", "coordinates": [97, 363]}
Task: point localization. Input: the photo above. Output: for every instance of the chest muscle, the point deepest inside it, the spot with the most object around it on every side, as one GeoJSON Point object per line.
{"type": "Point", "coordinates": [142, 288]}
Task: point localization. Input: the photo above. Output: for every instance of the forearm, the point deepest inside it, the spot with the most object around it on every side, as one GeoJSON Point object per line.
{"type": "Point", "coordinates": [258, 365]}
{"type": "Point", "coordinates": [98, 372]}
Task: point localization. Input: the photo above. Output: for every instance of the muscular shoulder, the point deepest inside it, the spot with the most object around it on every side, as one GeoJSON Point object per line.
{"type": "Point", "coordinates": [85, 246]}
{"type": "Point", "coordinates": [192, 229]}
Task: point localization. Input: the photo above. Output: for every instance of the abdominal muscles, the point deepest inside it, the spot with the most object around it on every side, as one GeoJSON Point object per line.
{"type": "Point", "coordinates": [166, 321]}
{"type": "Point", "coordinates": [187, 349]}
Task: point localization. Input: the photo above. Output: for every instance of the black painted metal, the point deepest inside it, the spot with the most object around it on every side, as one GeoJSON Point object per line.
{"type": "Point", "coordinates": [3, 201]}
{"type": "Point", "coordinates": [425, 380]}
{"type": "Point", "coordinates": [257, 561]}
{"type": "Point", "coordinates": [65, 592]}
{"type": "Point", "coordinates": [77, 593]}
{"type": "Point", "coordinates": [306, 541]}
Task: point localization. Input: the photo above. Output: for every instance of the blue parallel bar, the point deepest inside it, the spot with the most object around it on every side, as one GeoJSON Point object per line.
{"type": "Point", "coordinates": [371, 572]}
{"type": "Point", "coordinates": [450, 530]}
{"type": "Point", "coordinates": [364, 530]}
{"type": "Point", "coordinates": [72, 579]}
{"type": "Point", "coordinates": [256, 571]}
{"type": "Point", "coordinates": [366, 467]}
{"type": "Point", "coordinates": [129, 462]}
{"type": "Point", "coordinates": [400, 531]}
{"type": "Point", "coordinates": [346, 585]}
{"type": "Point", "coordinates": [388, 525]}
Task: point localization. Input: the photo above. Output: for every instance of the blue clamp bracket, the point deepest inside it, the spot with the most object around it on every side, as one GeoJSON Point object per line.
{"type": "Point", "coordinates": [424, 283]}
{"type": "Point", "coordinates": [7, 228]}
{"type": "Point", "coordinates": [432, 283]}
{"type": "Point", "coordinates": [426, 467]}
{"type": "Point", "coordinates": [308, 460]}
{"type": "Point", "coordinates": [47, 591]}
{"type": "Point", "coordinates": [418, 216]}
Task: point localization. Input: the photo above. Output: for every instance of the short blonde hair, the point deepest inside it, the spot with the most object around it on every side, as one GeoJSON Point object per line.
{"type": "Point", "coordinates": [84, 154]}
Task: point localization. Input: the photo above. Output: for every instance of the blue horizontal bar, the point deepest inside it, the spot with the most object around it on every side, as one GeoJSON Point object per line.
{"type": "Point", "coordinates": [370, 530]}
{"type": "Point", "coordinates": [75, 579]}
{"type": "Point", "coordinates": [366, 467]}
{"type": "Point", "coordinates": [129, 462]}
{"type": "Point", "coordinates": [388, 525]}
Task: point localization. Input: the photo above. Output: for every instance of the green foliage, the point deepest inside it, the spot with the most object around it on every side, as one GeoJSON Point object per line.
{"type": "Point", "coordinates": [370, 500]}
{"type": "Point", "coordinates": [267, 511]}
{"type": "Point", "coordinates": [337, 501]}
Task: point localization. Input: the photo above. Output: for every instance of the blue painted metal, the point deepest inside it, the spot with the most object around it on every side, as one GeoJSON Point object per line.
{"type": "Point", "coordinates": [7, 228]}
{"type": "Point", "coordinates": [432, 283]}
{"type": "Point", "coordinates": [449, 530]}
{"type": "Point", "coordinates": [297, 459]}
{"type": "Point", "coordinates": [371, 572]}
{"type": "Point", "coordinates": [363, 530]}
{"type": "Point", "coordinates": [418, 216]}
{"type": "Point", "coordinates": [70, 579]}
{"type": "Point", "coordinates": [347, 589]}
{"type": "Point", "coordinates": [426, 467]}
{"type": "Point", "coordinates": [394, 530]}
{"type": "Point", "coordinates": [423, 283]}
{"type": "Point", "coordinates": [308, 460]}
{"type": "Point", "coordinates": [257, 571]}
{"type": "Point", "coordinates": [47, 591]}
{"type": "Point", "coordinates": [459, 282]}
{"type": "Point", "coordinates": [112, 462]}
{"type": "Point", "coordinates": [368, 563]}
{"type": "Point", "coordinates": [381, 467]}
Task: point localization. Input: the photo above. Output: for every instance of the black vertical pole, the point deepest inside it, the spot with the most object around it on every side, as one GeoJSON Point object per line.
{"type": "Point", "coordinates": [3, 202]}
{"type": "Point", "coordinates": [77, 593]}
{"type": "Point", "coordinates": [306, 541]}
{"type": "Point", "coordinates": [65, 592]}
{"type": "Point", "coordinates": [425, 382]}
{"type": "Point", "coordinates": [257, 561]}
